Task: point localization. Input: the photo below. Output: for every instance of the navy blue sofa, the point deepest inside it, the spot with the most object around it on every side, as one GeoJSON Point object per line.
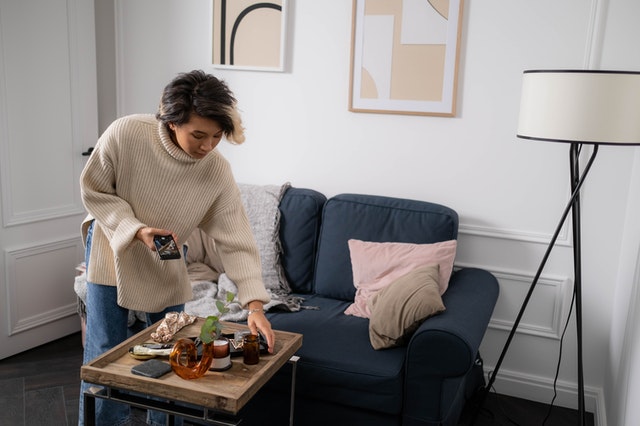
{"type": "Point", "coordinates": [341, 379]}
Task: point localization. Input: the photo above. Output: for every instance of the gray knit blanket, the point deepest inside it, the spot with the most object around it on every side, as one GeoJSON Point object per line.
{"type": "Point", "coordinates": [261, 204]}
{"type": "Point", "coordinates": [205, 294]}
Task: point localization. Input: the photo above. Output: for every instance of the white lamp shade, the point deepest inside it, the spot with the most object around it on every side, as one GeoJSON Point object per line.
{"type": "Point", "coordinates": [597, 107]}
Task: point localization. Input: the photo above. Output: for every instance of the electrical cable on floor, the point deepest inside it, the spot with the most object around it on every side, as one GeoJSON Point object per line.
{"type": "Point", "coordinates": [504, 413]}
{"type": "Point", "coordinates": [555, 380]}
{"type": "Point", "coordinates": [490, 414]}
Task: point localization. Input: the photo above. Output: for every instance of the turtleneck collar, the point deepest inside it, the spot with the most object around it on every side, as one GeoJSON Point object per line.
{"type": "Point", "coordinates": [171, 147]}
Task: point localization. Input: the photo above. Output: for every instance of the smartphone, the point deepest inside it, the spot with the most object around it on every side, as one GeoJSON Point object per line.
{"type": "Point", "coordinates": [152, 368]}
{"type": "Point", "coordinates": [166, 247]}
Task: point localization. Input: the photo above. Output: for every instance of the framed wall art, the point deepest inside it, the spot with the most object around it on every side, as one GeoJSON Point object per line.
{"type": "Point", "coordinates": [249, 34]}
{"type": "Point", "coordinates": [404, 56]}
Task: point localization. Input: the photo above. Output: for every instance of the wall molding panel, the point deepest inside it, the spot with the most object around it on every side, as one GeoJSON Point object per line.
{"type": "Point", "coordinates": [34, 270]}
{"type": "Point", "coordinates": [545, 314]}
{"type": "Point", "coordinates": [24, 324]}
{"type": "Point", "coordinates": [521, 235]}
{"type": "Point", "coordinates": [26, 217]}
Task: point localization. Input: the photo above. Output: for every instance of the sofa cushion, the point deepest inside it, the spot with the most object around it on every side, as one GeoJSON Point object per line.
{"type": "Point", "coordinates": [398, 309]}
{"type": "Point", "coordinates": [299, 227]}
{"type": "Point", "coordinates": [376, 265]}
{"type": "Point", "coordinates": [337, 362]}
{"type": "Point", "coordinates": [377, 219]}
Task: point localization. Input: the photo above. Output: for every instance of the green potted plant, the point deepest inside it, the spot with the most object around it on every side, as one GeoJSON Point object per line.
{"type": "Point", "coordinates": [211, 328]}
{"type": "Point", "coordinates": [184, 355]}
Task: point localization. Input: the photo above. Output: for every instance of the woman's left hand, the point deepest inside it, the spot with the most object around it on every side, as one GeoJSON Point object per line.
{"type": "Point", "coordinates": [257, 321]}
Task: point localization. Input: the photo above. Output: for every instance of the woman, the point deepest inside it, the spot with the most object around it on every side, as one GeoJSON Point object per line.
{"type": "Point", "coordinates": [161, 175]}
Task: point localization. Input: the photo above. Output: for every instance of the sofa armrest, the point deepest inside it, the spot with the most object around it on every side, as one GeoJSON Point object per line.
{"type": "Point", "coordinates": [446, 344]}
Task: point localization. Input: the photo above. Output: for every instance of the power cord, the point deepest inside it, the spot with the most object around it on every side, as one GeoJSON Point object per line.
{"type": "Point", "coordinates": [487, 414]}
{"type": "Point", "coordinates": [555, 379]}
{"type": "Point", "coordinates": [564, 331]}
{"type": "Point", "coordinates": [499, 405]}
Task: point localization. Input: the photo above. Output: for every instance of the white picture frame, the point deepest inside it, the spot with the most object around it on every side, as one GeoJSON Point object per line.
{"type": "Point", "coordinates": [249, 34]}
{"type": "Point", "coordinates": [404, 56]}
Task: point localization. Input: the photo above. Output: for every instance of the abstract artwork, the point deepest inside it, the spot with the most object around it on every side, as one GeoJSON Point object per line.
{"type": "Point", "coordinates": [249, 34]}
{"type": "Point", "coordinates": [405, 56]}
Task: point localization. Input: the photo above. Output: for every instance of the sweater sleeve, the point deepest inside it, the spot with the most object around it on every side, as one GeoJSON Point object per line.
{"type": "Point", "coordinates": [98, 188]}
{"type": "Point", "coordinates": [228, 225]}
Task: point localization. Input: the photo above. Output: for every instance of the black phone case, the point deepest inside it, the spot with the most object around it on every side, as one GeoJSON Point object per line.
{"type": "Point", "coordinates": [166, 247]}
{"type": "Point", "coordinates": [152, 368]}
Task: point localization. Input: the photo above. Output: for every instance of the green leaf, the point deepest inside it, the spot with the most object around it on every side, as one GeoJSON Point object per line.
{"type": "Point", "coordinates": [211, 329]}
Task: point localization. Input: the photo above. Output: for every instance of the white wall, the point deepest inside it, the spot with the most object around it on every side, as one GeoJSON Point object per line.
{"type": "Point", "coordinates": [509, 192]}
{"type": "Point", "coordinates": [622, 378]}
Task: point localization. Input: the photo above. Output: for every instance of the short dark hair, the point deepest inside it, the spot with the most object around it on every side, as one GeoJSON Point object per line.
{"type": "Point", "coordinates": [199, 93]}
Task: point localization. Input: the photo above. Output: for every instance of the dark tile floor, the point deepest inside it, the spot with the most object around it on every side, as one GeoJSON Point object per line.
{"type": "Point", "coordinates": [509, 411]}
{"type": "Point", "coordinates": [40, 387]}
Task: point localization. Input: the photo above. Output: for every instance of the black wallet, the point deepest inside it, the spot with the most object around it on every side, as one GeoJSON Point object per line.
{"type": "Point", "coordinates": [152, 368]}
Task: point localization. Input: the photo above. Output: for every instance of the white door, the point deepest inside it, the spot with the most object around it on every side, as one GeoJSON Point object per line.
{"type": "Point", "coordinates": [48, 117]}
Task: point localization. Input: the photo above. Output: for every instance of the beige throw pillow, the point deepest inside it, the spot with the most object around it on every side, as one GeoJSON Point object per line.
{"type": "Point", "coordinates": [398, 309]}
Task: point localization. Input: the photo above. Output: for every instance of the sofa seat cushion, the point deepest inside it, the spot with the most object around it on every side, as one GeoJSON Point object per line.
{"type": "Point", "coordinates": [337, 362]}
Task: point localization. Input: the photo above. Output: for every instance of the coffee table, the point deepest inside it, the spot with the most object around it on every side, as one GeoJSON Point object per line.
{"type": "Point", "coordinates": [215, 398]}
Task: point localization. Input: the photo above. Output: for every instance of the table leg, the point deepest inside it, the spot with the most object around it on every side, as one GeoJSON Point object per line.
{"type": "Point", "coordinates": [90, 405]}
{"type": "Point", "coordinates": [145, 402]}
{"type": "Point", "coordinates": [294, 362]}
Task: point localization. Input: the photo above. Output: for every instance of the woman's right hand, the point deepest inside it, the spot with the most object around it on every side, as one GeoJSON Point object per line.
{"type": "Point", "coordinates": [147, 233]}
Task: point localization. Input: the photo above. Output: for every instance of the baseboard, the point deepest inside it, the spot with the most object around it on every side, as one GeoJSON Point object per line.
{"type": "Point", "coordinates": [540, 389]}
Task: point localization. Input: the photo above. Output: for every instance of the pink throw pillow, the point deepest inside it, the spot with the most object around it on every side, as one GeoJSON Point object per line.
{"type": "Point", "coordinates": [376, 265]}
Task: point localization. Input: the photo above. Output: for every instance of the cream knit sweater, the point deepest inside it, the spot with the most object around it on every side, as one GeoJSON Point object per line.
{"type": "Point", "coordinates": [137, 177]}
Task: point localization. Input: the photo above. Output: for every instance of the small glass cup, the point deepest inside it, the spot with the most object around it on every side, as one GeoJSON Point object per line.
{"type": "Point", "coordinates": [251, 349]}
{"type": "Point", "coordinates": [221, 354]}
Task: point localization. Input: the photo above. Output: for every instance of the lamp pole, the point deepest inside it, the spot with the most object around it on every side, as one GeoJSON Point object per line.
{"type": "Point", "coordinates": [579, 107]}
{"type": "Point", "coordinates": [577, 265]}
{"type": "Point", "coordinates": [573, 205]}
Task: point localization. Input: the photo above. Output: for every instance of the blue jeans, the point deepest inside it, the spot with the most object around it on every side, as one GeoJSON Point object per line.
{"type": "Point", "coordinates": [107, 327]}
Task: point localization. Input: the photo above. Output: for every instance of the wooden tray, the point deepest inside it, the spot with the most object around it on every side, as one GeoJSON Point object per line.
{"type": "Point", "coordinates": [226, 391]}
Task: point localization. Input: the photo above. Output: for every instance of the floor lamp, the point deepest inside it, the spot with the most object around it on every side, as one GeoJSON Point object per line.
{"type": "Point", "coordinates": [580, 108]}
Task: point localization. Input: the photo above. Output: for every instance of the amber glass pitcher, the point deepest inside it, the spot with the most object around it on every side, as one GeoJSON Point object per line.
{"type": "Point", "coordinates": [184, 359]}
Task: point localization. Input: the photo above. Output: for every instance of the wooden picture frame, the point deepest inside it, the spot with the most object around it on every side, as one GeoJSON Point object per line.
{"type": "Point", "coordinates": [404, 56]}
{"type": "Point", "coordinates": [249, 34]}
